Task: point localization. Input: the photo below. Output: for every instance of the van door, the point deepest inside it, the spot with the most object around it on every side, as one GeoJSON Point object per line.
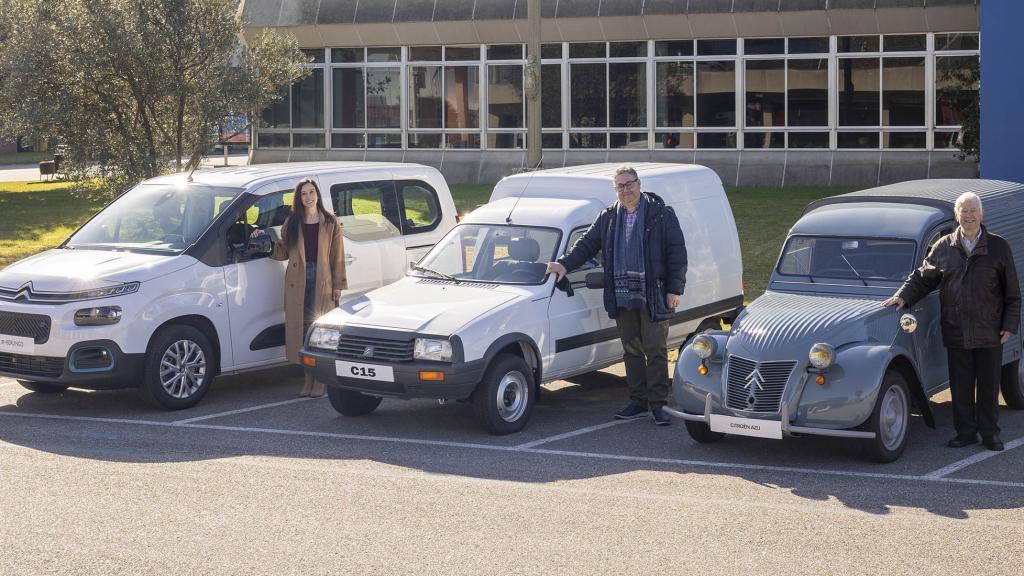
{"type": "Point", "coordinates": [367, 208]}
{"type": "Point", "coordinates": [931, 354]}
{"type": "Point", "coordinates": [421, 217]}
{"type": "Point", "coordinates": [582, 334]}
{"type": "Point", "coordinates": [255, 285]}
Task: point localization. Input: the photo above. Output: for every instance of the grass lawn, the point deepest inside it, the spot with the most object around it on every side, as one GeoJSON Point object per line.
{"type": "Point", "coordinates": [41, 215]}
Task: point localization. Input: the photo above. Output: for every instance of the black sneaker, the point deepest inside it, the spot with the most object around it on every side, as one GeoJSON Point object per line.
{"type": "Point", "coordinates": [660, 417]}
{"type": "Point", "coordinates": [632, 410]}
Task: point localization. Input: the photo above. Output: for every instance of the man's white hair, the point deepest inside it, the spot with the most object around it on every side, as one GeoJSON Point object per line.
{"type": "Point", "coordinates": [967, 197]}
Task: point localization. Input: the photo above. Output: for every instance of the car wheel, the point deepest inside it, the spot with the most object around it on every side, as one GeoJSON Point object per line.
{"type": "Point", "coordinates": [503, 400]}
{"type": "Point", "coordinates": [351, 403]}
{"type": "Point", "coordinates": [890, 420]}
{"type": "Point", "coordinates": [178, 368]}
{"type": "Point", "coordinates": [1012, 383]}
{"type": "Point", "coordinates": [702, 433]}
{"type": "Point", "coordinates": [42, 387]}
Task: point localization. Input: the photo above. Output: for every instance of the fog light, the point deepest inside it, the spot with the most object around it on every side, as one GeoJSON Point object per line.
{"type": "Point", "coordinates": [702, 369]}
{"type": "Point", "coordinates": [309, 361]}
{"type": "Point", "coordinates": [820, 380]}
{"type": "Point", "coordinates": [432, 376]}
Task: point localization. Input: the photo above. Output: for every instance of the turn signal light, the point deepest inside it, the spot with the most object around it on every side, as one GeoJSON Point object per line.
{"type": "Point", "coordinates": [702, 370]}
{"type": "Point", "coordinates": [432, 376]}
{"type": "Point", "coordinates": [309, 361]}
{"type": "Point", "coordinates": [820, 380]}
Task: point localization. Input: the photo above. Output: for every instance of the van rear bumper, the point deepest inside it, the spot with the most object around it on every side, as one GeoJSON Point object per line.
{"type": "Point", "coordinates": [93, 365]}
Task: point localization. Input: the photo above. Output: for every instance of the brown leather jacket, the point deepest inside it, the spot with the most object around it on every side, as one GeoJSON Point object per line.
{"type": "Point", "coordinates": [980, 293]}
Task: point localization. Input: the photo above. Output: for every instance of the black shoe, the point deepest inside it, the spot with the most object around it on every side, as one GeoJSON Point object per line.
{"type": "Point", "coordinates": [993, 443]}
{"type": "Point", "coordinates": [660, 417]}
{"type": "Point", "coordinates": [961, 441]}
{"type": "Point", "coordinates": [632, 410]}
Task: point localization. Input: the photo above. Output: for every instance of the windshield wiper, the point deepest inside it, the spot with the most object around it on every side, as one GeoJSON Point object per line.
{"type": "Point", "coordinates": [859, 277]}
{"type": "Point", "coordinates": [435, 273]}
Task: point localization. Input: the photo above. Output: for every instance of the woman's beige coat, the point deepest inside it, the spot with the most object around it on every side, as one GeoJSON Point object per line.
{"type": "Point", "coordinates": [330, 276]}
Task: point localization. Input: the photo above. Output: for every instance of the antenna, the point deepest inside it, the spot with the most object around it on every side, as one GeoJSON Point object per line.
{"type": "Point", "coordinates": [508, 219]}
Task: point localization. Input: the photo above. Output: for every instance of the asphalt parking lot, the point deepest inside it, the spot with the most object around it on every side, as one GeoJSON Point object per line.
{"type": "Point", "coordinates": [257, 480]}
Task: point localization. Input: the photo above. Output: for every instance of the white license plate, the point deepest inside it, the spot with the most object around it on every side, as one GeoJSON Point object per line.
{"type": "Point", "coordinates": [17, 344]}
{"type": "Point", "coordinates": [746, 426]}
{"type": "Point", "coordinates": [364, 371]}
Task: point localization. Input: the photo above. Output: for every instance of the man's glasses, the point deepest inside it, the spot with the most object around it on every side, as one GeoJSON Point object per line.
{"type": "Point", "coordinates": [626, 184]}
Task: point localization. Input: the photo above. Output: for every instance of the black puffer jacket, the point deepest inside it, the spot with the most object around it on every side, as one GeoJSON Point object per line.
{"type": "Point", "coordinates": [665, 255]}
{"type": "Point", "coordinates": [980, 294]}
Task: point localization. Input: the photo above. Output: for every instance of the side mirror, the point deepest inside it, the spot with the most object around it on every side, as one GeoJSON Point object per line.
{"type": "Point", "coordinates": [908, 323]}
{"type": "Point", "coordinates": [565, 286]}
{"type": "Point", "coordinates": [595, 280]}
{"type": "Point", "coordinates": [260, 245]}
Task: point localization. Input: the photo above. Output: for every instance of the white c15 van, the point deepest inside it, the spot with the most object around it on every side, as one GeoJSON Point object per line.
{"type": "Point", "coordinates": [163, 289]}
{"type": "Point", "coordinates": [479, 318]}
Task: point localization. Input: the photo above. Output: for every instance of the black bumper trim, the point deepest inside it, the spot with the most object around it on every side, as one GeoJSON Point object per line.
{"type": "Point", "coordinates": [125, 371]}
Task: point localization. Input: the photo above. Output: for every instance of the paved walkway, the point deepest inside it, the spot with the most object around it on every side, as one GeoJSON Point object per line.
{"type": "Point", "coordinates": [30, 172]}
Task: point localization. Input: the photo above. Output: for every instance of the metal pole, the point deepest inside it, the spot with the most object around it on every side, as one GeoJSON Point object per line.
{"type": "Point", "coordinates": [531, 81]}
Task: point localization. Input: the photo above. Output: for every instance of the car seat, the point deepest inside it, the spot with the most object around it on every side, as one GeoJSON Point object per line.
{"type": "Point", "coordinates": [522, 263]}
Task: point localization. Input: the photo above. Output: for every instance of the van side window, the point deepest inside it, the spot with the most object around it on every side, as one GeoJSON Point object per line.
{"type": "Point", "coordinates": [367, 210]}
{"type": "Point", "coordinates": [592, 265]}
{"type": "Point", "coordinates": [421, 211]}
{"type": "Point", "coordinates": [267, 213]}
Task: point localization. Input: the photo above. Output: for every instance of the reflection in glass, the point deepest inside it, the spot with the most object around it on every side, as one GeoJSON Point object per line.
{"type": "Point", "coordinates": [505, 96]}
{"type": "Point", "coordinates": [956, 88]}
{"type": "Point", "coordinates": [813, 45]}
{"type": "Point", "coordinates": [346, 140]}
{"type": "Point", "coordinates": [348, 93]}
{"type": "Point", "coordinates": [462, 96]}
{"type": "Point", "coordinates": [808, 92]}
{"type": "Point", "coordinates": [857, 140]}
{"type": "Point", "coordinates": [904, 43]}
{"type": "Point", "coordinates": [425, 53]}
{"type": "Point", "coordinates": [716, 140]}
{"type": "Point", "coordinates": [716, 94]}
{"type": "Point", "coordinates": [308, 101]}
{"type": "Point", "coordinates": [389, 54]}
{"type": "Point", "coordinates": [277, 115]}
{"type": "Point", "coordinates": [308, 140]}
{"type": "Point", "coordinates": [716, 47]}
{"type": "Point", "coordinates": [808, 139]}
{"type": "Point", "coordinates": [673, 48]}
{"type": "Point", "coordinates": [346, 54]}
{"type": "Point", "coordinates": [755, 140]}
{"type": "Point", "coordinates": [588, 103]}
{"type": "Point", "coordinates": [384, 140]}
{"type": "Point", "coordinates": [505, 52]}
{"type": "Point", "coordinates": [903, 92]}
{"type": "Point", "coordinates": [858, 43]}
{"type": "Point", "coordinates": [587, 50]}
{"type": "Point", "coordinates": [627, 95]}
{"type": "Point", "coordinates": [956, 41]}
{"type": "Point", "coordinates": [637, 140]}
{"type": "Point", "coordinates": [766, 92]}
{"type": "Point", "coordinates": [500, 140]}
{"type": "Point", "coordinates": [551, 140]}
{"type": "Point", "coordinates": [674, 94]}
{"type": "Point", "coordinates": [462, 53]}
{"type": "Point", "coordinates": [903, 139]}
{"type": "Point", "coordinates": [420, 140]}
{"type": "Point", "coordinates": [674, 140]}
{"type": "Point", "coordinates": [858, 92]}
{"type": "Point", "coordinates": [383, 98]}
{"type": "Point", "coordinates": [764, 46]}
{"type": "Point", "coordinates": [464, 141]}
{"type": "Point", "coordinates": [627, 49]}
{"type": "Point", "coordinates": [425, 104]}
{"type": "Point", "coordinates": [551, 96]}
{"type": "Point", "coordinates": [587, 140]}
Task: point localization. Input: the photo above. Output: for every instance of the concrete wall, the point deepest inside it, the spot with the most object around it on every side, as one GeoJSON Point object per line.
{"type": "Point", "coordinates": [1002, 114]}
{"type": "Point", "coordinates": [734, 167]}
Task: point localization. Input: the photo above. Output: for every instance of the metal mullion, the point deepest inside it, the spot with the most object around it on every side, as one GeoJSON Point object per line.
{"type": "Point", "coordinates": [404, 108]}
{"type": "Point", "coordinates": [740, 91]}
{"type": "Point", "coordinates": [929, 92]}
{"type": "Point", "coordinates": [651, 86]}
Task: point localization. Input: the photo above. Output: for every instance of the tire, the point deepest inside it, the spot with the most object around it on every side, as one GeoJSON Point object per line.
{"type": "Point", "coordinates": [702, 433]}
{"type": "Point", "coordinates": [178, 368]}
{"type": "Point", "coordinates": [503, 400]}
{"type": "Point", "coordinates": [890, 420]}
{"type": "Point", "coordinates": [42, 387]}
{"type": "Point", "coordinates": [351, 403]}
{"type": "Point", "coordinates": [1012, 384]}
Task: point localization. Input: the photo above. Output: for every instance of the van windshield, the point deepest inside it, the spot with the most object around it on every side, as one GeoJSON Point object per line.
{"type": "Point", "coordinates": [155, 218]}
{"type": "Point", "coordinates": [847, 258]}
{"type": "Point", "coordinates": [492, 253]}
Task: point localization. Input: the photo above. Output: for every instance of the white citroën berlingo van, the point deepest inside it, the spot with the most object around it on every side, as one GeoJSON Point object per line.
{"type": "Point", "coordinates": [479, 318]}
{"type": "Point", "coordinates": [163, 289]}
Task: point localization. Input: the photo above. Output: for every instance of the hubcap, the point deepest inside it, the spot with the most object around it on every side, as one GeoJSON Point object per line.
{"type": "Point", "coordinates": [512, 396]}
{"type": "Point", "coordinates": [182, 369]}
{"type": "Point", "coordinates": [892, 419]}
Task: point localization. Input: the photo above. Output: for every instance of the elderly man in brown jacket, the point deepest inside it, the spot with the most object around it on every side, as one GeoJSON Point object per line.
{"type": "Point", "coordinates": [980, 299]}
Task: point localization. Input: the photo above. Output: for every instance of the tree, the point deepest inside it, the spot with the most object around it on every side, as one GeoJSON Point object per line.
{"type": "Point", "coordinates": [959, 101]}
{"type": "Point", "coordinates": [134, 86]}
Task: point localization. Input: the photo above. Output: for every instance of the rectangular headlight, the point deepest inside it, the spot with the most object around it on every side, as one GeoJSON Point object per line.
{"type": "Point", "coordinates": [325, 337]}
{"type": "Point", "coordinates": [432, 349]}
{"type": "Point", "coordinates": [98, 316]}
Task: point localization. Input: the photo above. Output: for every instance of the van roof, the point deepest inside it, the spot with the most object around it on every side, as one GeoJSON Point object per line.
{"type": "Point", "coordinates": [941, 193]}
{"type": "Point", "coordinates": [595, 181]}
{"type": "Point", "coordinates": [869, 219]}
{"type": "Point", "coordinates": [561, 213]}
{"type": "Point", "coordinates": [246, 176]}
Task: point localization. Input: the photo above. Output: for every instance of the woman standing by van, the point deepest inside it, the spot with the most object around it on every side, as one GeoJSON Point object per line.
{"type": "Point", "coordinates": [311, 241]}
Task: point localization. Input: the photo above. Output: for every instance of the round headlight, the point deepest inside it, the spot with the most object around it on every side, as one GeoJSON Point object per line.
{"type": "Point", "coordinates": [703, 346]}
{"type": "Point", "coordinates": [821, 356]}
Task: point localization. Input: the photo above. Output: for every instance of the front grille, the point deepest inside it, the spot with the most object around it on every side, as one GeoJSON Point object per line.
{"type": "Point", "coordinates": [31, 365]}
{"type": "Point", "coordinates": [35, 326]}
{"type": "Point", "coordinates": [379, 349]}
{"type": "Point", "coordinates": [756, 393]}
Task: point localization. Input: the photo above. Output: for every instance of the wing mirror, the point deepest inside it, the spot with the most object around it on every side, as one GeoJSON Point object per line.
{"type": "Point", "coordinates": [908, 323]}
{"type": "Point", "coordinates": [565, 286]}
{"type": "Point", "coordinates": [595, 280]}
{"type": "Point", "coordinates": [260, 245]}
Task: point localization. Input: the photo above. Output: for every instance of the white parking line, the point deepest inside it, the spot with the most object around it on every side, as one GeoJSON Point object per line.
{"type": "Point", "coordinates": [579, 432]}
{"type": "Point", "coordinates": [971, 460]}
{"type": "Point", "coordinates": [242, 410]}
{"type": "Point", "coordinates": [539, 451]}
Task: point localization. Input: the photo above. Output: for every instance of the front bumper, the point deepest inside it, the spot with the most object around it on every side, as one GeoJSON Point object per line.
{"type": "Point", "coordinates": [122, 371]}
{"type": "Point", "coordinates": [787, 427]}
{"type": "Point", "coordinates": [460, 378]}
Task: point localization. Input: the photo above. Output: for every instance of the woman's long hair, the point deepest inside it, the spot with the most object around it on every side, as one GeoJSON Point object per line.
{"type": "Point", "coordinates": [291, 226]}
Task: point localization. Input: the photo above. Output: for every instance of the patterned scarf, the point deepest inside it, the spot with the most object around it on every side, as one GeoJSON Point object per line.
{"type": "Point", "coordinates": [630, 277]}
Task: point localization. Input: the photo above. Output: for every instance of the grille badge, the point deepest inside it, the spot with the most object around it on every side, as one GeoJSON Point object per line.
{"type": "Point", "coordinates": [754, 381]}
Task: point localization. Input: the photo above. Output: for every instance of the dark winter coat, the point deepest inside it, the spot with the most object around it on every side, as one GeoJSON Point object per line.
{"type": "Point", "coordinates": [664, 255]}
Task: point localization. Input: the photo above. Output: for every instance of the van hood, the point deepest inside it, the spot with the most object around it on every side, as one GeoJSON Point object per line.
{"type": "Point", "coordinates": [423, 306]}
{"type": "Point", "coordinates": [62, 270]}
{"type": "Point", "coordinates": [782, 325]}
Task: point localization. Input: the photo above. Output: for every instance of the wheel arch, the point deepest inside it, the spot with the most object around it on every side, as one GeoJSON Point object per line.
{"type": "Point", "coordinates": [521, 345]}
{"type": "Point", "coordinates": [201, 323]}
{"type": "Point", "coordinates": [905, 367]}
